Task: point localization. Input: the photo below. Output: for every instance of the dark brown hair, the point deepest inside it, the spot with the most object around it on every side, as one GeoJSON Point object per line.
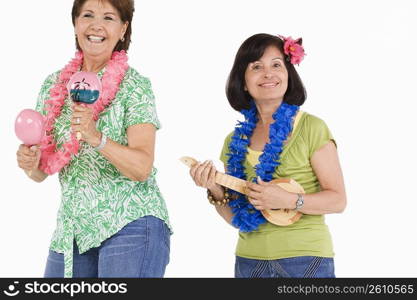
{"type": "Point", "coordinates": [125, 9]}
{"type": "Point", "coordinates": [251, 50]}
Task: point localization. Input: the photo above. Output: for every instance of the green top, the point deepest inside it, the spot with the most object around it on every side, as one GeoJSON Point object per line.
{"type": "Point", "coordinates": [309, 236]}
{"type": "Point", "coordinates": [97, 200]}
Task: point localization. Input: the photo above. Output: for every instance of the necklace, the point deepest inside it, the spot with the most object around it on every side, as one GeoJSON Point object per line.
{"type": "Point", "coordinates": [246, 217]}
{"type": "Point", "coordinates": [54, 159]}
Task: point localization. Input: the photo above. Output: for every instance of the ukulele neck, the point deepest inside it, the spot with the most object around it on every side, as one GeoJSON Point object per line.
{"type": "Point", "coordinates": [233, 183]}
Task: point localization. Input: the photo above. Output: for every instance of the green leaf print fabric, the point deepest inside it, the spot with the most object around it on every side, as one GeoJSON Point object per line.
{"type": "Point", "coordinates": [97, 200]}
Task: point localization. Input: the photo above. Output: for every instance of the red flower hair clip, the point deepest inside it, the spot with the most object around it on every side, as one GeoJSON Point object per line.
{"type": "Point", "coordinates": [293, 49]}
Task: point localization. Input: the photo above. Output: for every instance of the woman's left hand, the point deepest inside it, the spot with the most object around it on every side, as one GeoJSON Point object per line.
{"type": "Point", "coordinates": [267, 195]}
{"type": "Point", "coordinates": [82, 121]}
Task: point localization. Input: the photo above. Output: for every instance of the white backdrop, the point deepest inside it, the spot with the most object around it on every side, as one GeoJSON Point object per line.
{"type": "Point", "coordinates": [359, 73]}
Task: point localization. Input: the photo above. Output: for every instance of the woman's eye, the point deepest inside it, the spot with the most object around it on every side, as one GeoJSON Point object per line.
{"type": "Point", "coordinates": [277, 65]}
{"type": "Point", "coordinates": [87, 15]}
{"type": "Point", "coordinates": [108, 18]}
{"type": "Point", "coordinates": [256, 67]}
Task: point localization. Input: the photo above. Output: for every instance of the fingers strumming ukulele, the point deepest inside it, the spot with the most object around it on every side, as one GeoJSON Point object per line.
{"type": "Point", "coordinates": [281, 217]}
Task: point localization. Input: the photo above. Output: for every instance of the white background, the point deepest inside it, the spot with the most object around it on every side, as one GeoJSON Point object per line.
{"type": "Point", "coordinates": [359, 73]}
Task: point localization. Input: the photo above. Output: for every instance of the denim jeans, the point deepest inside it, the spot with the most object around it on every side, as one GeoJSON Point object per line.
{"type": "Point", "coordinates": [140, 249]}
{"type": "Point", "coordinates": [297, 267]}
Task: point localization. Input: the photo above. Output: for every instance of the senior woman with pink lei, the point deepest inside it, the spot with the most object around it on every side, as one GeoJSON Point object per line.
{"type": "Point", "coordinates": [112, 221]}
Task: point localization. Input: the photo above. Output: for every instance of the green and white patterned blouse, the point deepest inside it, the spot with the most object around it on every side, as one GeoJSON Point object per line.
{"type": "Point", "coordinates": [97, 200]}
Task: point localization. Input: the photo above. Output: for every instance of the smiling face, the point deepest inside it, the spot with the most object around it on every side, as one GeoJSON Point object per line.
{"type": "Point", "coordinates": [98, 29]}
{"type": "Point", "coordinates": [267, 78]}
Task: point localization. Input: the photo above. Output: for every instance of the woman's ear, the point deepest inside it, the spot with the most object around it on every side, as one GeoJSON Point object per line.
{"type": "Point", "coordinates": [125, 28]}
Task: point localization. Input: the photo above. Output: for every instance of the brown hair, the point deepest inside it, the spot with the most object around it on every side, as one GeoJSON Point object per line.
{"type": "Point", "coordinates": [125, 8]}
{"type": "Point", "coordinates": [251, 50]}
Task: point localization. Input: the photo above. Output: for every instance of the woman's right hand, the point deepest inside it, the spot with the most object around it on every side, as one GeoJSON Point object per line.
{"type": "Point", "coordinates": [28, 157]}
{"type": "Point", "coordinates": [204, 175]}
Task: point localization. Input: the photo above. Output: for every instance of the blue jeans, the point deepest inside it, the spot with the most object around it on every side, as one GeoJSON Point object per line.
{"type": "Point", "coordinates": [140, 249]}
{"type": "Point", "coordinates": [297, 267]}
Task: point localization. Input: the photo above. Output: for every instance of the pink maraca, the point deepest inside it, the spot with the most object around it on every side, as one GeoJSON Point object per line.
{"type": "Point", "coordinates": [29, 127]}
{"type": "Point", "coordinates": [84, 87]}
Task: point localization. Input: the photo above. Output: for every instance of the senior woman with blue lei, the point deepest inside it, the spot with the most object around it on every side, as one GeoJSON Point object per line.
{"type": "Point", "coordinates": [276, 140]}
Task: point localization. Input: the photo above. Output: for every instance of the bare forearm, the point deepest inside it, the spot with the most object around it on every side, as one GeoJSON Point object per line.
{"type": "Point", "coordinates": [132, 163]}
{"type": "Point", "coordinates": [36, 175]}
{"type": "Point", "coordinates": [224, 211]}
{"type": "Point", "coordinates": [324, 202]}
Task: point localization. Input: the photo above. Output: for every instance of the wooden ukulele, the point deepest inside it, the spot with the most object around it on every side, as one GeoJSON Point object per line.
{"type": "Point", "coordinates": [281, 217]}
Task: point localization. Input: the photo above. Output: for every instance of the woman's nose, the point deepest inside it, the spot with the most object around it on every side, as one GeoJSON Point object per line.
{"type": "Point", "coordinates": [268, 72]}
{"type": "Point", "coordinates": [96, 24]}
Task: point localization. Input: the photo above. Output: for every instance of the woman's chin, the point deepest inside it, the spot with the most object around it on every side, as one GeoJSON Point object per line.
{"type": "Point", "coordinates": [269, 99]}
{"type": "Point", "coordinates": [96, 51]}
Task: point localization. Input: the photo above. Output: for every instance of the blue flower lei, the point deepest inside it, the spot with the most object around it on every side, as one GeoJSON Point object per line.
{"type": "Point", "coordinates": [246, 217]}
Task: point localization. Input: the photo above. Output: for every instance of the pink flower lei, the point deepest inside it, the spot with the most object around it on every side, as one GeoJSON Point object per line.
{"type": "Point", "coordinates": [294, 49]}
{"type": "Point", "coordinates": [54, 159]}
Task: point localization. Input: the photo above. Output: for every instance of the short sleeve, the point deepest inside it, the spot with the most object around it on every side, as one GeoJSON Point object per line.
{"type": "Point", "coordinates": [318, 134]}
{"type": "Point", "coordinates": [44, 93]}
{"type": "Point", "coordinates": [140, 104]}
{"type": "Point", "coordinates": [223, 155]}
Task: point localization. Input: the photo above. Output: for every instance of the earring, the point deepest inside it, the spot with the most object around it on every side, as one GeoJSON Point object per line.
{"type": "Point", "coordinates": [122, 39]}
